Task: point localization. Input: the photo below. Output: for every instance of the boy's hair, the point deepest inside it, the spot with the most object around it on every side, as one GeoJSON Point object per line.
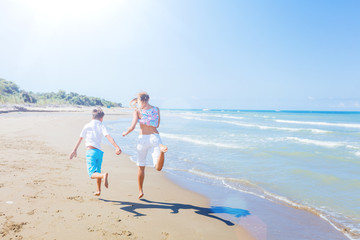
{"type": "Point", "coordinates": [98, 113]}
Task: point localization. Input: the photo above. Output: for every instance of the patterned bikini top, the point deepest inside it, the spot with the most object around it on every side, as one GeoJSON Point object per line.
{"type": "Point", "coordinates": [149, 117]}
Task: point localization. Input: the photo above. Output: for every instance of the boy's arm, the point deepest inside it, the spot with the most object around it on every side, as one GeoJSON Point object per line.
{"type": "Point", "coordinates": [74, 152]}
{"type": "Point", "coordinates": [112, 141]}
{"type": "Point", "coordinates": [133, 124]}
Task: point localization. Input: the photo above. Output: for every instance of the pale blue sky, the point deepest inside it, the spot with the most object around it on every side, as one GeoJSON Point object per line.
{"type": "Point", "coordinates": [282, 55]}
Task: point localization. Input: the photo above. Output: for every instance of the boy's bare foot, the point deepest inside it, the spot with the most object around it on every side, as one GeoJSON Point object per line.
{"type": "Point", "coordinates": [141, 194]}
{"type": "Point", "coordinates": [97, 194]}
{"type": "Point", "coordinates": [163, 148]}
{"type": "Point", "coordinates": [106, 182]}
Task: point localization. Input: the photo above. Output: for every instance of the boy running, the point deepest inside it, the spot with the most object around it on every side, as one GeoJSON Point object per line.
{"type": "Point", "coordinates": [93, 133]}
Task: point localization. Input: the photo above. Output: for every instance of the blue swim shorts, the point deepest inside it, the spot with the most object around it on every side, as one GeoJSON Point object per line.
{"type": "Point", "coordinates": [94, 158]}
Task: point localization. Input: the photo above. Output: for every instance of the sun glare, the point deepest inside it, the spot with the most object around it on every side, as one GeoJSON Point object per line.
{"type": "Point", "coordinates": [59, 11]}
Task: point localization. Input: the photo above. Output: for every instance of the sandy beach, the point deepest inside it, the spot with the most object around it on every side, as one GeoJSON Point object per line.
{"type": "Point", "coordinates": [45, 195]}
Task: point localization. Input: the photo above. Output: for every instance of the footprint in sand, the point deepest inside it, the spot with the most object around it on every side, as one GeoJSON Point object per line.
{"type": "Point", "coordinates": [80, 216]}
{"type": "Point", "coordinates": [165, 235]}
{"type": "Point", "coordinates": [36, 182]}
{"type": "Point", "coordinates": [123, 233]}
{"type": "Point", "coordinates": [30, 197]}
{"type": "Point", "coordinates": [11, 227]}
{"type": "Point", "coordinates": [31, 212]}
{"type": "Point", "coordinates": [126, 233]}
{"type": "Point", "coordinates": [76, 198]}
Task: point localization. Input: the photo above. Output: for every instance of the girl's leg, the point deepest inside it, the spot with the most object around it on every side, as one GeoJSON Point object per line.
{"type": "Point", "coordinates": [141, 176]}
{"type": "Point", "coordinates": [160, 162]}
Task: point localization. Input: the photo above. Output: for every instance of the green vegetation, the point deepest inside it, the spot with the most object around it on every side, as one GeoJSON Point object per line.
{"type": "Point", "coordinates": [10, 93]}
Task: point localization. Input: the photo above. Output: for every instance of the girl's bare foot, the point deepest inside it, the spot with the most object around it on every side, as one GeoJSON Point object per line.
{"type": "Point", "coordinates": [163, 148]}
{"type": "Point", "coordinates": [97, 194]}
{"type": "Point", "coordinates": [106, 182]}
{"type": "Point", "coordinates": [141, 194]}
{"type": "Point", "coordinates": [160, 162]}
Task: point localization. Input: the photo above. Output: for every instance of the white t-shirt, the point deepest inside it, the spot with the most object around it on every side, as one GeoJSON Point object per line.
{"type": "Point", "coordinates": [93, 133]}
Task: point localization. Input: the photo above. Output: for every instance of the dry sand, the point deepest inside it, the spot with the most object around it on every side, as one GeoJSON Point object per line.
{"type": "Point", "coordinates": [44, 195]}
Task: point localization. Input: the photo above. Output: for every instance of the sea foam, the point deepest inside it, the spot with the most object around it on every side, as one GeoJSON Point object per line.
{"type": "Point", "coordinates": [200, 141]}
{"type": "Point", "coordinates": [250, 125]}
{"type": "Point", "coordinates": [346, 125]}
{"type": "Point", "coordinates": [317, 142]}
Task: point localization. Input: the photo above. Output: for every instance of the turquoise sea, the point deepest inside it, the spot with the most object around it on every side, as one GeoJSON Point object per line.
{"type": "Point", "coordinates": [299, 159]}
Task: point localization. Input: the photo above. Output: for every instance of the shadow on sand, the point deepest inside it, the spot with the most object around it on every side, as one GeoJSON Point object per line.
{"type": "Point", "coordinates": [135, 207]}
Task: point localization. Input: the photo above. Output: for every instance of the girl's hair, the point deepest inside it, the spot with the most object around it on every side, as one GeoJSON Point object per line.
{"type": "Point", "coordinates": [98, 113]}
{"type": "Point", "coordinates": [144, 97]}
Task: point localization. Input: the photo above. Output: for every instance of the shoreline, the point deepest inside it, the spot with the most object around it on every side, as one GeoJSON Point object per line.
{"type": "Point", "coordinates": [268, 197]}
{"type": "Point", "coordinates": [322, 224]}
{"type": "Point", "coordinates": [267, 219]}
{"type": "Point", "coordinates": [261, 218]}
{"type": "Point", "coordinates": [13, 108]}
{"type": "Point", "coordinates": [44, 195]}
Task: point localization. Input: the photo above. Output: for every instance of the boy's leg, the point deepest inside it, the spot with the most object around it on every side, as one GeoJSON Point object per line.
{"type": "Point", "coordinates": [141, 177]}
{"type": "Point", "coordinates": [94, 159]}
{"type": "Point", "coordinates": [98, 183]}
{"type": "Point", "coordinates": [99, 177]}
{"type": "Point", "coordinates": [106, 180]}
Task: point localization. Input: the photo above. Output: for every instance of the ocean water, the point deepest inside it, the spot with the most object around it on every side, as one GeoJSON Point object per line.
{"type": "Point", "coordinates": [306, 160]}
